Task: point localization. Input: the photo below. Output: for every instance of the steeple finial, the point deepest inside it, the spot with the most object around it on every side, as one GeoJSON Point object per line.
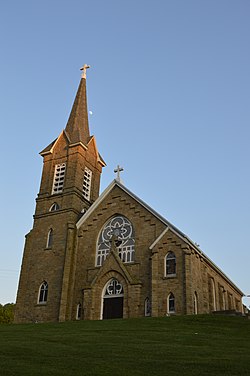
{"type": "Point", "coordinates": [117, 170]}
{"type": "Point", "coordinates": [84, 70]}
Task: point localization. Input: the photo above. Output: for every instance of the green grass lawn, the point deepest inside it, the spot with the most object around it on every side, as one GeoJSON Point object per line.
{"type": "Point", "coordinates": [186, 345]}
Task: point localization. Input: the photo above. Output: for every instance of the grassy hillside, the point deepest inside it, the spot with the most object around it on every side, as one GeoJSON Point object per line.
{"type": "Point", "coordinates": [190, 345]}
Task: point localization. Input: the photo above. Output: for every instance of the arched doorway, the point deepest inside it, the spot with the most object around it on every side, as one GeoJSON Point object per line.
{"type": "Point", "coordinates": [113, 300]}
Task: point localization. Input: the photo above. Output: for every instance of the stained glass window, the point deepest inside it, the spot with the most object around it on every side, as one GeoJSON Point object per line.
{"type": "Point", "coordinates": [170, 264]}
{"type": "Point", "coordinates": [171, 303]}
{"type": "Point", "coordinates": [113, 288]}
{"type": "Point", "coordinates": [147, 307]}
{"type": "Point", "coordinates": [43, 293]}
{"type": "Point", "coordinates": [122, 229]}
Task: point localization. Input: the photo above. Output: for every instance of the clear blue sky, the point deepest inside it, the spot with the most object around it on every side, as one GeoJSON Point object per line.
{"type": "Point", "coordinates": [169, 88]}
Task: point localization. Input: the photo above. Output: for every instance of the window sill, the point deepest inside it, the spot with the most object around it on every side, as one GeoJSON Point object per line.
{"type": "Point", "coordinates": [170, 276]}
{"type": "Point", "coordinates": [124, 263]}
{"type": "Point", "coordinates": [48, 248]}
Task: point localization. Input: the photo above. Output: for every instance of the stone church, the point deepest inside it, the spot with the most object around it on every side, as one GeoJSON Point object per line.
{"type": "Point", "coordinates": [91, 256]}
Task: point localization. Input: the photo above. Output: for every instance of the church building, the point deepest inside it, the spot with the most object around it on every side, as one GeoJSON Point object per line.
{"type": "Point", "coordinates": [92, 256]}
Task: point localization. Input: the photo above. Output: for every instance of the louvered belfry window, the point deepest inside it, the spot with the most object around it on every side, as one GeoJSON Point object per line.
{"type": "Point", "coordinates": [59, 178]}
{"type": "Point", "coordinates": [87, 183]}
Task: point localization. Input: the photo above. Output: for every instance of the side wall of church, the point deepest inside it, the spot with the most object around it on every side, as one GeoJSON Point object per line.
{"type": "Point", "coordinates": [167, 284]}
{"type": "Point", "coordinates": [214, 292]}
{"type": "Point", "coordinates": [197, 286]}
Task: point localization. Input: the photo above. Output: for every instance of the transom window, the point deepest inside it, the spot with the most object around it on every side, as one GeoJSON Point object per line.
{"type": "Point", "coordinates": [59, 176]}
{"type": "Point", "coordinates": [113, 288]}
{"type": "Point", "coordinates": [43, 293]}
{"type": "Point", "coordinates": [122, 229]}
{"type": "Point", "coordinates": [170, 264]}
{"type": "Point", "coordinates": [87, 183]}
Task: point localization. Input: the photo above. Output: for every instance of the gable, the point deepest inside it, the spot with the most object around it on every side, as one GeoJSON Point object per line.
{"type": "Point", "coordinates": [116, 201]}
{"type": "Point", "coordinates": [92, 147]}
{"type": "Point", "coordinates": [57, 145]}
{"type": "Point", "coordinates": [116, 197]}
{"type": "Point", "coordinates": [113, 263]}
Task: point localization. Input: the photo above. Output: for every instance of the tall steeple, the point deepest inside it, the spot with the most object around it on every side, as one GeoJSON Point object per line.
{"type": "Point", "coordinates": [70, 184]}
{"type": "Point", "coordinates": [77, 128]}
{"type": "Point", "coordinates": [76, 152]}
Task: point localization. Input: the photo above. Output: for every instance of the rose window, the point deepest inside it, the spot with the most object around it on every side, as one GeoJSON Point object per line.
{"type": "Point", "coordinates": [121, 229]}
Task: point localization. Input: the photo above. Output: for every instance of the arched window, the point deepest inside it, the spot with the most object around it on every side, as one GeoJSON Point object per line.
{"type": "Point", "coordinates": [78, 311]}
{"type": "Point", "coordinates": [222, 293]}
{"type": "Point", "coordinates": [195, 303]}
{"type": "Point", "coordinates": [49, 239]}
{"type": "Point", "coordinates": [170, 264]}
{"type": "Point", "coordinates": [230, 300]}
{"type": "Point", "coordinates": [213, 294]}
{"type": "Point", "coordinates": [171, 303]}
{"type": "Point", "coordinates": [120, 230]}
{"type": "Point", "coordinates": [43, 293]}
{"type": "Point", "coordinates": [224, 299]}
{"type": "Point", "coordinates": [54, 207]}
{"type": "Point", "coordinates": [147, 307]}
{"type": "Point", "coordinates": [113, 288]}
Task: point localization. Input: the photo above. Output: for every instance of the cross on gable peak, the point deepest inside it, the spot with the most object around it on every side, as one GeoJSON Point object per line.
{"type": "Point", "coordinates": [117, 170]}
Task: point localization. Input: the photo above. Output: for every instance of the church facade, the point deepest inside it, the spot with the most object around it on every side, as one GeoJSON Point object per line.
{"type": "Point", "coordinates": [91, 256]}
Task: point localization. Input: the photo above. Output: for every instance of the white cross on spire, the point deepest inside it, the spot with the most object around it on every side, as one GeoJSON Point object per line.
{"type": "Point", "coordinates": [117, 171]}
{"type": "Point", "coordinates": [84, 70]}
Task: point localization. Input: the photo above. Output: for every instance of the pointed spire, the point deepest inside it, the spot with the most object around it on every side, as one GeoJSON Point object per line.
{"type": "Point", "coordinates": [77, 127]}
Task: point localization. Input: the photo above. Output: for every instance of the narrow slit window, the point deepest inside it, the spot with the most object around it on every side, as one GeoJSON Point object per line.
{"type": "Point", "coordinates": [78, 311]}
{"type": "Point", "coordinates": [49, 239]}
{"type": "Point", "coordinates": [147, 307]}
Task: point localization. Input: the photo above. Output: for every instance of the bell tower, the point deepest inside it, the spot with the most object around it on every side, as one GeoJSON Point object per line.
{"type": "Point", "coordinates": [70, 183]}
